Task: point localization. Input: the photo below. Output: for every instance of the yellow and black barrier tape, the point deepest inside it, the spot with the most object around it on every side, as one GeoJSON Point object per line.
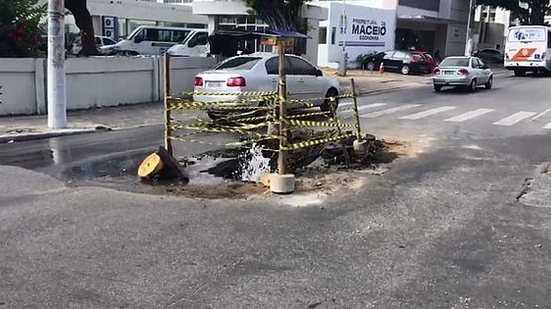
{"type": "Point", "coordinates": [243, 93]}
{"type": "Point", "coordinates": [331, 99]}
{"type": "Point", "coordinates": [172, 100]}
{"type": "Point", "coordinates": [296, 116]}
{"type": "Point", "coordinates": [204, 105]}
{"type": "Point", "coordinates": [311, 143]}
{"type": "Point", "coordinates": [232, 144]}
{"type": "Point", "coordinates": [307, 123]}
{"type": "Point", "coordinates": [202, 128]}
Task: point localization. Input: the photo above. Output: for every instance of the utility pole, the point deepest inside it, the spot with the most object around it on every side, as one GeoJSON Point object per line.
{"type": "Point", "coordinates": [57, 100]}
{"type": "Point", "coordinates": [343, 23]}
{"type": "Point", "coordinates": [470, 25]}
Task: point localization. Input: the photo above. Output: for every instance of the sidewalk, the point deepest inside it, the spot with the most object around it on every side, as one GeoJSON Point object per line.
{"type": "Point", "coordinates": [18, 128]}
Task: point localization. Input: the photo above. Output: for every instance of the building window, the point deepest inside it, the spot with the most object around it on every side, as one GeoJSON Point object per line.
{"type": "Point", "coordinates": [122, 30]}
{"type": "Point", "coordinates": [333, 35]}
{"type": "Point", "coordinates": [323, 35]}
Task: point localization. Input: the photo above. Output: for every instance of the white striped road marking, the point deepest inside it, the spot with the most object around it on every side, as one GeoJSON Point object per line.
{"type": "Point", "coordinates": [513, 119]}
{"type": "Point", "coordinates": [389, 111]}
{"type": "Point", "coordinates": [429, 112]}
{"type": "Point", "coordinates": [548, 126]}
{"type": "Point", "coordinates": [368, 106]}
{"type": "Point", "coordinates": [470, 115]}
{"type": "Point", "coordinates": [541, 114]}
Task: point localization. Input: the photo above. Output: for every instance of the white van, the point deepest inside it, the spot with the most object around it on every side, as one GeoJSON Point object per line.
{"type": "Point", "coordinates": [148, 40]}
{"type": "Point", "coordinates": [528, 49]}
{"type": "Point", "coordinates": [195, 45]}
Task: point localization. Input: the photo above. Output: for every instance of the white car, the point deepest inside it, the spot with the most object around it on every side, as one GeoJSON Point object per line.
{"type": "Point", "coordinates": [462, 72]}
{"type": "Point", "coordinates": [195, 45]}
{"type": "Point", "coordinates": [100, 42]}
{"type": "Point", "coordinates": [259, 72]}
{"type": "Point", "coordinates": [148, 40]}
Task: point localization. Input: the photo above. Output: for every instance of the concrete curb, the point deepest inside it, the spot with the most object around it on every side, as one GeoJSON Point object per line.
{"type": "Point", "coordinates": [21, 137]}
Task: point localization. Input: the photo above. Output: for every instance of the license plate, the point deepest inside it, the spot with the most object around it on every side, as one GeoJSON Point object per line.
{"type": "Point", "coordinates": [215, 84]}
{"type": "Point", "coordinates": [449, 72]}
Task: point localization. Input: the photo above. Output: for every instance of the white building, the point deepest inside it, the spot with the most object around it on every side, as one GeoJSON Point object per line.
{"type": "Point", "coordinates": [225, 15]}
{"type": "Point", "coordinates": [117, 19]}
{"type": "Point", "coordinates": [491, 27]}
{"type": "Point", "coordinates": [430, 25]}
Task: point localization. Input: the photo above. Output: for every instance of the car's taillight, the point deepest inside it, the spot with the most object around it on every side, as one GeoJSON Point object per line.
{"type": "Point", "coordinates": [463, 72]}
{"type": "Point", "coordinates": [198, 82]}
{"type": "Point", "coordinates": [436, 71]}
{"type": "Point", "coordinates": [236, 82]}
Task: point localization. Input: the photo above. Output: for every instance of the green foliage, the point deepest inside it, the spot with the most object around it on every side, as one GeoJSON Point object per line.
{"type": "Point", "coordinates": [529, 12]}
{"type": "Point", "coordinates": [284, 15]}
{"type": "Point", "coordinates": [20, 33]}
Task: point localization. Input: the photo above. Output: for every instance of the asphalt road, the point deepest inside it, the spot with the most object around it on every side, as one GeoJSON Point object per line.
{"type": "Point", "coordinates": [464, 223]}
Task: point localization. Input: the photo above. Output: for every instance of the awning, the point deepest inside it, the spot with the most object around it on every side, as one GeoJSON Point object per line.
{"type": "Point", "coordinates": [427, 19]}
{"type": "Point", "coordinates": [257, 34]}
{"type": "Point", "coordinates": [225, 42]}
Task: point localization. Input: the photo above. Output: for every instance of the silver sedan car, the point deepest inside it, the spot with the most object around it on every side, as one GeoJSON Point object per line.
{"type": "Point", "coordinates": [462, 72]}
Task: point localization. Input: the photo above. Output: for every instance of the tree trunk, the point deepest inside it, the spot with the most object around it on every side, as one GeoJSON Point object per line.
{"type": "Point", "coordinates": [83, 20]}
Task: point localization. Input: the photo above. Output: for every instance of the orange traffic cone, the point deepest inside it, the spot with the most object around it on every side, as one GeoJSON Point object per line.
{"type": "Point", "coordinates": [382, 68]}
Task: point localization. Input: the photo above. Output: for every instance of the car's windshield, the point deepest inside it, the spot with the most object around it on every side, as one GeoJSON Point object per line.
{"type": "Point", "coordinates": [240, 63]}
{"type": "Point", "coordinates": [455, 62]}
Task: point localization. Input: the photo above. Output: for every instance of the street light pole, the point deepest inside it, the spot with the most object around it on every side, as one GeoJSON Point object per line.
{"type": "Point", "coordinates": [343, 23]}
{"type": "Point", "coordinates": [470, 24]}
{"type": "Point", "coordinates": [57, 100]}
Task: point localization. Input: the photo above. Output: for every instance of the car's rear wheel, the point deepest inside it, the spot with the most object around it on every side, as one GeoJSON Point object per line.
{"type": "Point", "coordinates": [405, 69]}
{"type": "Point", "coordinates": [519, 72]}
{"type": "Point", "coordinates": [490, 83]}
{"type": "Point", "coordinates": [437, 88]}
{"type": "Point", "coordinates": [331, 102]}
{"type": "Point", "coordinates": [472, 86]}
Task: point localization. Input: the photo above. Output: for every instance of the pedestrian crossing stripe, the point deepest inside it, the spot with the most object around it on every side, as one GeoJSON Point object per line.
{"type": "Point", "coordinates": [469, 115]}
{"type": "Point", "coordinates": [429, 112]}
{"type": "Point", "coordinates": [389, 111]}
{"type": "Point", "coordinates": [513, 119]}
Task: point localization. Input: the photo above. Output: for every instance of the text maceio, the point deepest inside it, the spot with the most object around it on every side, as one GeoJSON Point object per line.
{"type": "Point", "coordinates": [368, 30]}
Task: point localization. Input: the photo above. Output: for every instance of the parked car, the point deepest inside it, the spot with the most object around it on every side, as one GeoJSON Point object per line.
{"type": "Point", "coordinates": [400, 61]}
{"type": "Point", "coordinates": [195, 44]}
{"type": "Point", "coordinates": [259, 72]}
{"type": "Point", "coordinates": [463, 72]}
{"type": "Point", "coordinates": [429, 59]}
{"type": "Point", "coordinates": [148, 40]}
{"type": "Point", "coordinates": [101, 41]}
{"type": "Point", "coordinates": [490, 55]}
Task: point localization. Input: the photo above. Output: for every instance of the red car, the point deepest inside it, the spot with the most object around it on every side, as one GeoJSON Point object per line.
{"type": "Point", "coordinates": [430, 61]}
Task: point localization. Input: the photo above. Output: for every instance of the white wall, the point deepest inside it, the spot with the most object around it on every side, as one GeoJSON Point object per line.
{"type": "Point", "coordinates": [94, 82]}
{"type": "Point", "coordinates": [356, 44]}
{"type": "Point", "coordinates": [19, 93]}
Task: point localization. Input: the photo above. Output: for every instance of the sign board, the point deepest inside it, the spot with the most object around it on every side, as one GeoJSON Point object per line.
{"type": "Point", "coordinates": [359, 30]}
{"type": "Point", "coordinates": [109, 26]}
{"type": "Point", "coordinates": [268, 41]}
